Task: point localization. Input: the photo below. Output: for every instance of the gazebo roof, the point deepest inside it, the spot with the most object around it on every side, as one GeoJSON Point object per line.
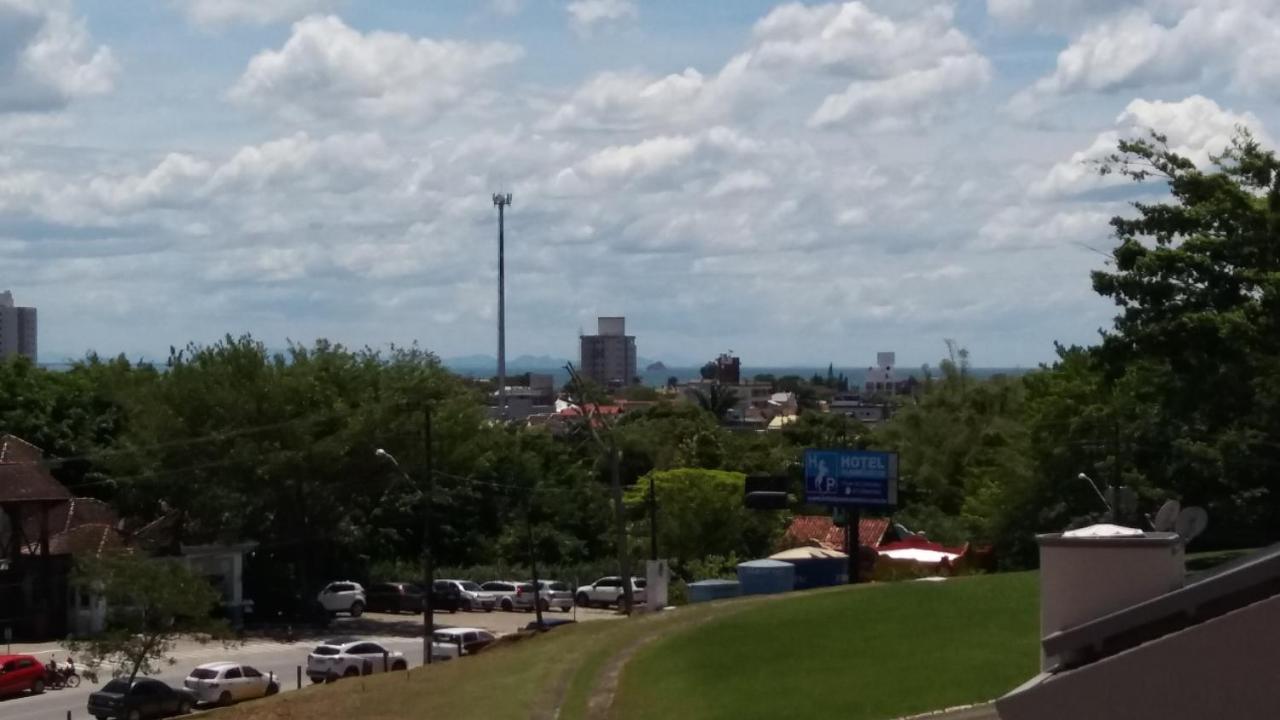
{"type": "Point", "coordinates": [24, 476]}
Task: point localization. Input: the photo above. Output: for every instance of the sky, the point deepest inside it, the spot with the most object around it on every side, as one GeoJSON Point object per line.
{"type": "Point", "coordinates": [800, 183]}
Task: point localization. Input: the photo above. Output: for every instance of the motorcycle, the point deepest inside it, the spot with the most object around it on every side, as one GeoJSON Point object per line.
{"type": "Point", "coordinates": [58, 678]}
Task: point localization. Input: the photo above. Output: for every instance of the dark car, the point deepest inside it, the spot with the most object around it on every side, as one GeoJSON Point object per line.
{"type": "Point", "coordinates": [396, 597]}
{"type": "Point", "coordinates": [144, 698]}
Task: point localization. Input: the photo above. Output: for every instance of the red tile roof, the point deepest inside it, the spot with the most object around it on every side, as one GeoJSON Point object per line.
{"type": "Point", "coordinates": [81, 541]}
{"type": "Point", "coordinates": [69, 515]}
{"type": "Point", "coordinates": [820, 530]}
{"type": "Point", "coordinates": [24, 476]}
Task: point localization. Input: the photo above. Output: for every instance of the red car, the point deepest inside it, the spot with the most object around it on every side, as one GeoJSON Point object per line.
{"type": "Point", "coordinates": [20, 673]}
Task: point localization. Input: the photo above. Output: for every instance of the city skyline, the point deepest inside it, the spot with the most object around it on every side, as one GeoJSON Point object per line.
{"type": "Point", "coordinates": [794, 181]}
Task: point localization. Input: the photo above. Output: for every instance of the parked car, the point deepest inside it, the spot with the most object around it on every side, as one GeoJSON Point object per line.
{"type": "Point", "coordinates": [608, 591]}
{"type": "Point", "coordinates": [510, 594]}
{"type": "Point", "coordinates": [343, 596]}
{"type": "Point", "coordinates": [226, 682]}
{"type": "Point", "coordinates": [143, 698]}
{"type": "Point", "coordinates": [445, 643]}
{"type": "Point", "coordinates": [349, 657]}
{"type": "Point", "coordinates": [394, 597]}
{"type": "Point", "coordinates": [19, 674]}
{"type": "Point", "coordinates": [472, 597]}
{"type": "Point", "coordinates": [555, 594]}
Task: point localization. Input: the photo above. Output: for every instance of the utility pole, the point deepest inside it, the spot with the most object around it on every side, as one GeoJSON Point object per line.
{"type": "Point", "coordinates": [533, 562]}
{"type": "Point", "coordinates": [502, 201]}
{"type": "Point", "coordinates": [428, 569]}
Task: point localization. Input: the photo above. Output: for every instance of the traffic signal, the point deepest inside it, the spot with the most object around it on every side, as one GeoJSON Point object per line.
{"type": "Point", "coordinates": [765, 492]}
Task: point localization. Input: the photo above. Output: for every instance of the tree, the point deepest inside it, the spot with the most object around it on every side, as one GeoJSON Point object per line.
{"type": "Point", "coordinates": [1196, 279]}
{"type": "Point", "coordinates": [151, 602]}
{"type": "Point", "coordinates": [717, 400]}
{"type": "Point", "coordinates": [700, 514]}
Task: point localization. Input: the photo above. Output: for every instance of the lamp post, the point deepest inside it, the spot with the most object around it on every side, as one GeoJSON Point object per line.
{"type": "Point", "coordinates": [428, 570]}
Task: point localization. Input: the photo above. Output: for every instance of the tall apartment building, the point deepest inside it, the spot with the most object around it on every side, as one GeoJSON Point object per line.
{"type": "Point", "coordinates": [882, 377]}
{"type": "Point", "coordinates": [17, 329]}
{"type": "Point", "coordinates": [609, 357]}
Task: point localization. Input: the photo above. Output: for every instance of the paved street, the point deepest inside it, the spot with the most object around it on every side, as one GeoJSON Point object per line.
{"type": "Point", "coordinates": [396, 632]}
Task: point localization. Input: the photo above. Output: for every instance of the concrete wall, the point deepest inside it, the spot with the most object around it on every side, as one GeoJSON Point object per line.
{"type": "Point", "coordinates": [1228, 667]}
{"type": "Point", "coordinates": [1084, 579]}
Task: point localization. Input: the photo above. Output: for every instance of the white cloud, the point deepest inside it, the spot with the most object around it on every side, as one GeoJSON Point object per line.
{"type": "Point", "coordinates": [328, 70]}
{"type": "Point", "coordinates": [650, 156]}
{"type": "Point", "coordinates": [506, 8]}
{"type": "Point", "coordinates": [896, 71]}
{"type": "Point", "coordinates": [587, 15]}
{"type": "Point", "coordinates": [911, 98]}
{"type": "Point", "coordinates": [1236, 41]}
{"type": "Point", "coordinates": [47, 58]}
{"type": "Point", "coordinates": [1035, 227]}
{"type": "Point", "coordinates": [1196, 128]}
{"type": "Point", "coordinates": [214, 13]}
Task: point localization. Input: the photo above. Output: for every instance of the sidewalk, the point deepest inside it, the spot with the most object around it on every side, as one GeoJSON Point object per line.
{"type": "Point", "coordinates": [986, 711]}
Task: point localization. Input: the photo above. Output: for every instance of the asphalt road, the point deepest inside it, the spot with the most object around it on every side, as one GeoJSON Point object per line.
{"type": "Point", "coordinates": [395, 632]}
{"type": "Point", "coordinates": [265, 655]}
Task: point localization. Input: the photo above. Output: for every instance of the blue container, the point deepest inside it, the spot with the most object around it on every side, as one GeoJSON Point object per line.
{"type": "Point", "coordinates": [820, 572]}
{"type": "Point", "coordinates": [707, 590]}
{"type": "Point", "coordinates": [765, 577]}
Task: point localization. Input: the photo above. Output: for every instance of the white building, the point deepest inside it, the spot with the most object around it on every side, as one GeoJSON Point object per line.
{"type": "Point", "coordinates": [881, 378]}
{"type": "Point", "coordinates": [17, 329]}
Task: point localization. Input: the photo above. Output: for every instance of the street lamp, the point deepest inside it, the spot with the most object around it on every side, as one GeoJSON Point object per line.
{"type": "Point", "coordinates": [428, 612]}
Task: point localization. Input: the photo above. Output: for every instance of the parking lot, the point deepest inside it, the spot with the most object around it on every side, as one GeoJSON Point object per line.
{"type": "Point", "coordinates": [497, 622]}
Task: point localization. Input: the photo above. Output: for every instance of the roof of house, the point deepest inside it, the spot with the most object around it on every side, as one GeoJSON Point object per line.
{"type": "Point", "coordinates": [821, 531]}
{"type": "Point", "coordinates": [83, 540]}
{"type": "Point", "coordinates": [24, 477]}
{"type": "Point", "coordinates": [71, 514]}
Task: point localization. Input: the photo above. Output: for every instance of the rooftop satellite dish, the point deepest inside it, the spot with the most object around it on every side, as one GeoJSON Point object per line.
{"type": "Point", "coordinates": [1167, 516]}
{"type": "Point", "coordinates": [1191, 522]}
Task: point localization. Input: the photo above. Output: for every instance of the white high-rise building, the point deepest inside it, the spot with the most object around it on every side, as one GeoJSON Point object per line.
{"type": "Point", "coordinates": [17, 329]}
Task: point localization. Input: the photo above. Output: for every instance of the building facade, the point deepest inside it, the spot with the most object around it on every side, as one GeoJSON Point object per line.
{"type": "Point", "coordinates": [17, 329]}
{"type": "Point", "coordinates": [609, 357]}
{"type": "Point", "coordinates": [882, 378]}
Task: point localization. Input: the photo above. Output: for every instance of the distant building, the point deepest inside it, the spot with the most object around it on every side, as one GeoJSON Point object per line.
{"type": "Point", "coordinates": [866, 412]}
{"type": "Point", "coordinates": [17, 329]}
{"type": "Point", "coordinates": [881, 378]}
{"type": "Point", "coordinates": [726, 369]}
{"type": "Point", "coordinates": [609, 357]}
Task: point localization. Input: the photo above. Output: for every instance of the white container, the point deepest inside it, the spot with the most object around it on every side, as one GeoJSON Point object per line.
{"type": "Point", "coordinates": [1089, 573]}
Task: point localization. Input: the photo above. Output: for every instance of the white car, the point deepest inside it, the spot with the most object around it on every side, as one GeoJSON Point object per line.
{"type": "Point", "coordinates": [608, 591]}
{"type": "Point", "coordinates": [347, 657]}
{"type": "Point", "coordinates": [343, 596]}
{"type": "Point", "coordinates": [223, 683]}
{"type": "Point", "coordinates": [471, 597]}
{"type": "Point", "coordinates": [510, 594]}
{"type": "Point", "coordinates": [449, 643]}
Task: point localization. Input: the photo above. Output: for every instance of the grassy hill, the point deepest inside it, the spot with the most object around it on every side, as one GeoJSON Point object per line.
{"type": "Point", "coordinates": [877, 651]}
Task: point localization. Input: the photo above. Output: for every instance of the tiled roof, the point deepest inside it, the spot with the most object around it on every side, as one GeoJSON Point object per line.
{"type": "Point", "coordinates": [81, 541]}
{"type": "Point", "coordinates": [24, 476]}
{"type": "Point", "coordinates": [820, 530]}
{"type": "Point", "coordinates": [69, 515]}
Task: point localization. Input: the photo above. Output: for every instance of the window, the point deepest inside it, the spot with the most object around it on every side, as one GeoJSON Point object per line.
{"type": "Point", "coordinates": [250, 672]}
{"type": "Point", "coordinates": [609, 582]}
{"type": "Point", "coordinates": [25, 663]}
{"type": "Point", "coordinates": [558, 587]}
{"type": "Point", "coordinates": [366, 649]}
{"type": "Point", "coordinates": [344, 587]}
{"type": "Point", "coordinates": [326, 650]}
{"type": "Point", "coordinates": [640, 583]}
{"type": "Point", "coordinates": [469, 637]}
{"type": "Point", "coordinates": [469, 586]}
{"type": "Point", "coordinates": [234, 674]}
{"type": "Point", "coordinates": [204, 674]}
{"type": "Point", "coordinates": [441, 585]}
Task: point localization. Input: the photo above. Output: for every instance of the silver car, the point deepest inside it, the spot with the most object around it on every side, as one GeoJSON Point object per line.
{"type": "Point", "coordinates": [471, 597]}
{"type": "Point", "coordinates": [555, 594]}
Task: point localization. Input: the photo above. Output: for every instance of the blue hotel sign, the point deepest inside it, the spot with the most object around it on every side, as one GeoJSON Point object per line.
{"type": "Point", "coordinates": [859, 478]}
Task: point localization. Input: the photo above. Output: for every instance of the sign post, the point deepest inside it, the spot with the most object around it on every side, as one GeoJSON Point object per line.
{"type": "Point", "coordinates": [850, 480]}
{"type": "Point", "coordinates": [8, 640]}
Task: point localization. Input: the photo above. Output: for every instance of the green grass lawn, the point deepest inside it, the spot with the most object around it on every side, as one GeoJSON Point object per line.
{"type": "Point", "coordinates": [871, 652]}
{"type": "Point", "coordinates": [875, 651]}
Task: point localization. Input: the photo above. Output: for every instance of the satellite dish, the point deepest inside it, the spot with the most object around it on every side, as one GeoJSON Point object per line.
{"type": "Point", "coordinates": [1167, 516]}
{"type": "Point", "coordinates": [1191, 522]}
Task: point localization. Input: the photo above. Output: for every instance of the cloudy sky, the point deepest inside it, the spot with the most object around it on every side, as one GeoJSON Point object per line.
{"type": "Point", "coordinates": [801, 183]}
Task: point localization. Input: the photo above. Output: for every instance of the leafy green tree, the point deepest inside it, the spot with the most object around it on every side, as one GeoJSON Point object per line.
{"type": "Point", "coordinates": [151, 603]}
{"type": "Point", "coordinates": [717, 399]}
{"type": "Point", "coordinates": [1196, 279]}
{"type": "Point", "coordinates": [700, 514]}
